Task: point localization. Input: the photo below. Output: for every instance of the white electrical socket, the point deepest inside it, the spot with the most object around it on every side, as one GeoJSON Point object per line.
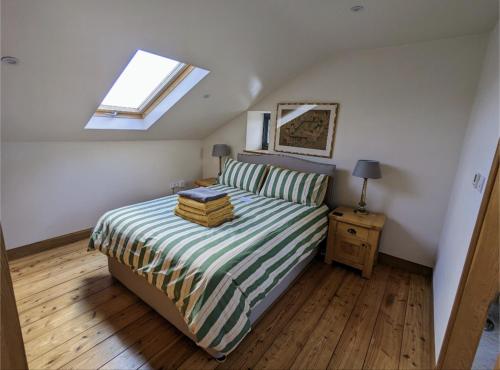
{"type": "Point", "coordinates": [178, 184]}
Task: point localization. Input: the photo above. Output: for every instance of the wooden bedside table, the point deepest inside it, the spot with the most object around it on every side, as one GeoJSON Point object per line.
{"type": "Point", "coordinates": [353, 239]}
{"type": "Point", "coordinates": [206, 182]}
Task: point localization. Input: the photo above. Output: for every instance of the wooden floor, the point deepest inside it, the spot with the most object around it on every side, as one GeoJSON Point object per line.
{"type": "Point", "coordinates": [75, 316]}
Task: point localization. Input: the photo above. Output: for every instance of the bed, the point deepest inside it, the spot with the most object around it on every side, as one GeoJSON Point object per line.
{"type": "Point", "coordinates": [213, 284]}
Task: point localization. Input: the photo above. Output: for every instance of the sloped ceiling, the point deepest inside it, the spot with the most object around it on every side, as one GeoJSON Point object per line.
{"type": "Point", "coordinates": [71, 51]}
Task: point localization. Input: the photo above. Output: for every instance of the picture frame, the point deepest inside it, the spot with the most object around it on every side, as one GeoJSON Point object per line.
{"type": "Point", "coordinates": [306, 128]}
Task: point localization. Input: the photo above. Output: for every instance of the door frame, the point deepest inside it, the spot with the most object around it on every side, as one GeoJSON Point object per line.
{"type": "Point", "coordinates": [13, 355]}
{"type": "Point", "coordinates": [476, 288]}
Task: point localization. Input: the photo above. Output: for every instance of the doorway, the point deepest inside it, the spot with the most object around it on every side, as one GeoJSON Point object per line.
{"type": "Point", "coordinates": [479, 285]}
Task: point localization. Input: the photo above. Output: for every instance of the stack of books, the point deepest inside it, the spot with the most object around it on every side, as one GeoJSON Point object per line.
{"type": "Point", "coordinates": [204, 206]}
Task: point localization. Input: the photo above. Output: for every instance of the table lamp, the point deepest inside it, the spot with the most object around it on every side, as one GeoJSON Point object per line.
{"type": "Point", "coordinates": [220, 150]}
{"type": "Point", "coordinates": [366, 169]}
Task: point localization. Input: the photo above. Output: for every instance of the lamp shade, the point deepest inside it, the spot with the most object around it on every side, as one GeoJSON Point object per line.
{"type": "Point", "coordinates": [367, 169]}
{"type": "Point", "coordinates": [221, 150]}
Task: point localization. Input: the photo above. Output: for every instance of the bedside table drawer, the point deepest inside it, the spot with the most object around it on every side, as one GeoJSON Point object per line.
{"type": "Point", "coordinates": [352, 231]}
{"type": "Point", "coordinates": [350, 251]}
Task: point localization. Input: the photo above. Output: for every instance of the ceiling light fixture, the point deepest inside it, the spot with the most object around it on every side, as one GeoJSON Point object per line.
{"type": "Point", "coordinates": [357, 8]}
{"type": "Point", "coordinates": [9, 60]}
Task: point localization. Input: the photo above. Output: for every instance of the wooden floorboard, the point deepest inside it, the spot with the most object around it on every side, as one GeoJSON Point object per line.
{"type": "Point", "coordinates": [353, 345]}
{"type": "Point", "coordinates": [56, 304]}
{"type": "Point", "coordinates": [31, 268]}
{"type": "Point", "coordinates": [46, 282]}
{"type": "Point", "coordinates": [114, 345]}
{"type": "Point", "coordinates": [149, 345]}
{"type": "Point", "coordinates": [385, 345]}
{"type": "Point", "coordinates": [45, 334]}
{"type": "Point", "coordinates": [323, 340]}
{"type": "Point", "coordinates": [68, 287]}
{"type": "Point", "coordinates": [172, 357]}
{"type": "Point", "coordinates": [416, 352]}
{"type": "Point", "coordinates": [293, 337]}
{"type": "Point", "coordinates": [62, 354]}
{"type": "Point", "coordinates": [48, 255]}
{"type": "Point", "coordinates": [75, 316]}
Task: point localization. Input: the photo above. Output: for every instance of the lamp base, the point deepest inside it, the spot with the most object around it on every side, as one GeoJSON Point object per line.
{"type": "Point", "coordinates": [362, 201]}
{"type": "Point", "coordinates": [361, 211]}
{"type": "Point", "coordinates": [220, 166]}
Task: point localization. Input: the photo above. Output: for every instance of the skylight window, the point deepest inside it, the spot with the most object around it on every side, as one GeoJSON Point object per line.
{"type": "Point", "coordinates": [140, 82]}
{"type": "Point", "coordinates": [146, 89]}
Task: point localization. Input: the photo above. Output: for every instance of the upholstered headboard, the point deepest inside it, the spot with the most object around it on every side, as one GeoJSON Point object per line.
{"type": "Point", "coordinates": [296, 164]}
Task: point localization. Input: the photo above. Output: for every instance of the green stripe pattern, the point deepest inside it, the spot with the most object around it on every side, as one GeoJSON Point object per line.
{"type": "Point", "coordinates": [298, 187]}
{"type": "Point", "coordinates": [214, 276]}
{"type": "Point", "coordinates": [245, 176]}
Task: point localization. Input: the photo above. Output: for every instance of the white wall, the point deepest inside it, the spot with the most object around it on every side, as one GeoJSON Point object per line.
{"type": "Point", "coordinates": [405, 106]}
{"type": "Point", "coordinates": [54, 188]}
{"type": "Point", "coordinates": [477, 154]}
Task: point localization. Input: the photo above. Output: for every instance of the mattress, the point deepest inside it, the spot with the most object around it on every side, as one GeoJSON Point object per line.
{"type": "Point", "coordinates": [214, 276]}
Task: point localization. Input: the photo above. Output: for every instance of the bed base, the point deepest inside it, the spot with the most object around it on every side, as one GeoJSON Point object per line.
{"type": "Point", "coordinates": [159, 301]}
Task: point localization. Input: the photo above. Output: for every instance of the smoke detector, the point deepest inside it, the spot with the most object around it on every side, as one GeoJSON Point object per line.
{"type": "Point", "coordinates": [9, 60]}
{"type": "Point", "coordinates": [357, 8]}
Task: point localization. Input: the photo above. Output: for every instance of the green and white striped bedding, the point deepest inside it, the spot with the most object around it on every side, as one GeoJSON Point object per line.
{"type": "Point", "coordinates": [245, 176]}
{"type": "Point", "coordinates": [215, 276]}
{"type": "Point", "coordinates": [294, 186]}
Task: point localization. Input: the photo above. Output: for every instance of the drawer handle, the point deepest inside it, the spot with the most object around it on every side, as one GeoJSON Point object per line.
{"type": "Point", "coordinates": [351, 231]}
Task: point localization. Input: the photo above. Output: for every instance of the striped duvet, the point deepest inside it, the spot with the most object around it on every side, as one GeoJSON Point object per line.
{"type": "Point", "coordinates": [214, 276]}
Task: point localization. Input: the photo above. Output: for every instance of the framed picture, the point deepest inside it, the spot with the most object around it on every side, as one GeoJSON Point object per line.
{"type": "Point", "coordinates": [306, 128]}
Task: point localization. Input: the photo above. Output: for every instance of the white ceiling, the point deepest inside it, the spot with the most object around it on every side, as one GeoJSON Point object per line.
{"type": "Point", "coordinates": [71, 51]}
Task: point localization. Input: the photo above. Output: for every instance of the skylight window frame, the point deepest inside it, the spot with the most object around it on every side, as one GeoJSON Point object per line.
{"type": "Point", "coordinates": [156, 96]}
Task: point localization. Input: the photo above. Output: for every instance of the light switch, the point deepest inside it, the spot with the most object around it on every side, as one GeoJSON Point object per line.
{"type": "Point", "coordinates": [478, 182]}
